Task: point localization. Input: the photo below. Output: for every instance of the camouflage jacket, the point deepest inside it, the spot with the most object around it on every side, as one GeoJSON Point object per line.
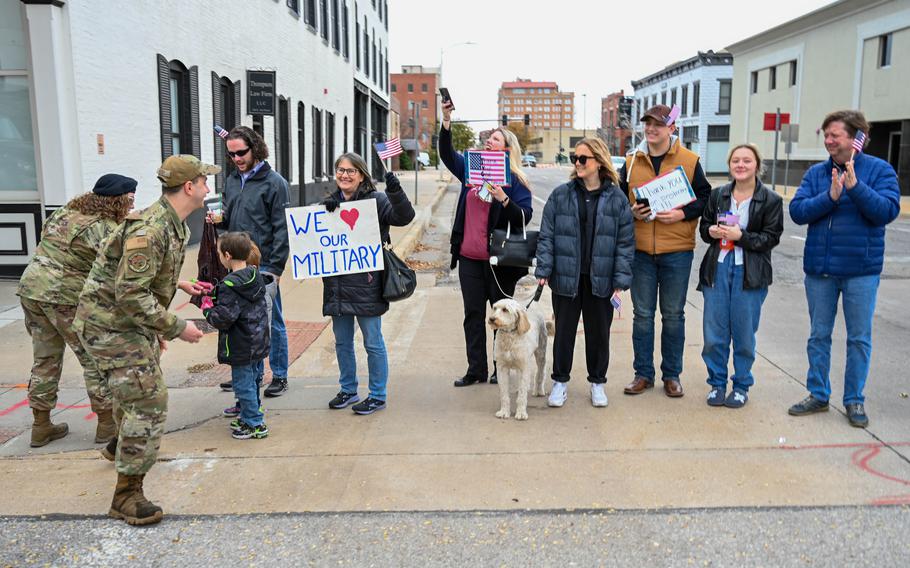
{"type": "Point", "coordinates": [69, 242]}
{"type": "Point", "coordinates": [123, 306]}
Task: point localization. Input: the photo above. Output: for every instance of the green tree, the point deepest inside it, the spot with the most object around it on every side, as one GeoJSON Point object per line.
{"type": "Point", "coordinates": [462, 137]}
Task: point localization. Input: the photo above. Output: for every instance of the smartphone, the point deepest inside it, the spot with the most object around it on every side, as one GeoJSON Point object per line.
{"type": "Point", "coordinates": [446, 97]}
{"type": "Point", "coordinates": [643, 201]}
{"type": "Point", "coordinates": [484, 192]}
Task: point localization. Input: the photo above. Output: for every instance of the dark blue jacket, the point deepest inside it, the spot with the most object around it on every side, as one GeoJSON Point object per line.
{"type": "Point", "coordinates": [847, 237]}
{"type": "Point", "coordinates": [241, 315]}
{"type": "Point", "coordinates": [560, 241]}
{"type": "Point", "coordinates": [519, 199]}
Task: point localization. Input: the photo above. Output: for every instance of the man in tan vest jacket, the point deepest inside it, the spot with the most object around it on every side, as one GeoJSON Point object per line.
{"type": "Point", "coordinates": [664, 251]}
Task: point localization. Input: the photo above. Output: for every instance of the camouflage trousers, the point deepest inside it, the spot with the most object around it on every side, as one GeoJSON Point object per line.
{"type": "Point", "coordinates": [140, 410]}
{"type": "Point", "coordinates": [51, 328]}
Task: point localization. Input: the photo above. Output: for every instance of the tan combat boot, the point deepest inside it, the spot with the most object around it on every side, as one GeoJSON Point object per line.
{"type": "Point", "coordinates": [43, 431]}
{"type": "Point", "coordinates": [106, 428]}
{"type": "Point", "coordinates": [110, 450]}
{"type": "Point", "coordinates": [130, 504]}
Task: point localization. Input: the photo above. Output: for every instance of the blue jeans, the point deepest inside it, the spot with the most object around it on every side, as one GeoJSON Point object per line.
{"type": "Point", "coordinates": [667, 274]}
{"type": "Point", "coordinates": [246, 380]}
{"type": "Point", "coordinates": [858, 294]}
{"type": "Point", "coordinates": [278, 349]}
{"type": "Point", "coordinates": [377, 359]}
{"type": "Point", "coordinates": [731, 314]}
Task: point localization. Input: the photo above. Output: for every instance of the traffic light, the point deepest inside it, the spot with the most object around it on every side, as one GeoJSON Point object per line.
{"type": "Point", "coordinates": [527, 120]}
{"type": "Point", "coordinates": [505, 120]}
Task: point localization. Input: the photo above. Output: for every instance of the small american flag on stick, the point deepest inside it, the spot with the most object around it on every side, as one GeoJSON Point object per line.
{"type": "Point", "coordinates": [221, 132]}
{"type": "Point", "coordinates": [388, 149]}
{"type": "Point", "coordinates": [859, 140]}
{"type": "Point", "coordinates": [486, 165]}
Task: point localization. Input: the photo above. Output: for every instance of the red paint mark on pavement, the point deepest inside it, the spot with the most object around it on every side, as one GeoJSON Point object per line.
{"type": "Point", "coordinates": [68, 406]}
{"type": "Point", "coordinates": [20, 404]}
{"type": "Point", "coordinates": [896, 500]}
{"type": "Point", "coordinates": [863, 457]}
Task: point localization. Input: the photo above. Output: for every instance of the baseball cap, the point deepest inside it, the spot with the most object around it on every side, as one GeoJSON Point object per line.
{"type": "Point", "coordinates": [179, 169]}
{"type": "Point", "coordinates": [659, 113]}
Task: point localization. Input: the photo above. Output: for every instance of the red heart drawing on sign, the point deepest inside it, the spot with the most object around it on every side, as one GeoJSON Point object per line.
{"type": "Point", "coordinates": [350, 216]}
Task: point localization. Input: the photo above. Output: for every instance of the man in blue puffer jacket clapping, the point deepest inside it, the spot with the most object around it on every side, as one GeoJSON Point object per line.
{"type": "Point", "coordinates": [846, 201]}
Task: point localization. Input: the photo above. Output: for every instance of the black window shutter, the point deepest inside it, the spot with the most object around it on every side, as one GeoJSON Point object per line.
{"type": "Point", "coordinates": [196, 143]}
{"type": "Point", "coordinates": [164, 106]}
{"type": "Point", "coordinates": [237, 100]}
{"type": "Point", "coordinates": [217, 113]}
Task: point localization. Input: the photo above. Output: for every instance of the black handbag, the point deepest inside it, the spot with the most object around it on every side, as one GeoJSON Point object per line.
{"type": "Point", "coordinates": [518, 250]}
{"type": "Point", "coordinates": [398, 280]}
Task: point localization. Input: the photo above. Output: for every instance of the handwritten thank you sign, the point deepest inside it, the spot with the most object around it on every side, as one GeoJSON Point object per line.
{"type": "Point", "coordinates": [346, 241]}
{"type": "Point", "coordinates": [667, 191]}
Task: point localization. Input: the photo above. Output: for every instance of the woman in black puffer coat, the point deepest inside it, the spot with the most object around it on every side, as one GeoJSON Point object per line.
{"type": "Point", "coordinates": [359, 296]}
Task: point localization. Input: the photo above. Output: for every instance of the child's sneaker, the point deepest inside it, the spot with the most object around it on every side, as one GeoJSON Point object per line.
{"type": "Point", "coordinates": [369, 406]}
{"type": "Point", "coordinates": [235, 424]}
{"type": "Point", "coordinates": [245, 432]}
{"type": "Point", "coordinates": [231, 411]}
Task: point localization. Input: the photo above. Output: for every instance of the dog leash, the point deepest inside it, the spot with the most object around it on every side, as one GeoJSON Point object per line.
{"type": "Point", "coordinates": [537, 293]}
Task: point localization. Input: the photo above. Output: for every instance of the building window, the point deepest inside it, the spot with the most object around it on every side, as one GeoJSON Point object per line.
{"type": "Point", "coordinates": [366, 48]}
{"type": "Point", "coordinates": [690, 135]}
{"type": "Point", "coordinates": [301, 144]}
{"type": "Point", "coordinates": [753, 85]}
{"type": "Point", "coordinates": [793, 73]}
{"type": "Point", "coordinates": [375, 75]}
{"type": "Point", "coordinates": [423, 104]}
{"type": "Point", "coordinates": [724, 96]}
{"type": "Point", "coordinates": [394, 88]}
{"type": "Point", "coordinates": [345, 41]}
{"type": "Point", "coordinates": [258, 127]}
{"type": "Point", "coordinates": [317, 144]}
{"type": "Point", "coordinates": [684, 100]}
{"type": "Point", "coordinates": [178, 100]}
{"type": "Point", "coordinates": [663, 97]}
{"type": "Point", "coordinates": [410, 87]}
{"type": "Point", "coordinates": [294, 5]}
{"type": "Point", "coordinates": [330, 139]}
{"type": "Point", "coordinates": [324, 14]}
{"type": "Point", "coordinates": [423, 87]}
{"type": "Point", "coordinates": [696, 93]}
{"type": "Point", "coordinates": [18, 170]}
{"type": "Point", "coordinates": [283, 137]}
{"type": "Point", "coordinates": [309, 14]}
{"type": "Point", "coordinates": [336, 34]}
{"type": "Point", "coordinates": [226, 114]}
{"type": "Point", "coordinates": [356, 37]}
{"type": "Point", "coordinates": [345, 135]}
{"type": "Point", "coordinates": [718, 133]}
{"type": "Point", "coordinates": [772, 78]}
{"type": "Point", "coordinates": [386, 4]}
{"type": "Point", "coordinates": [673, 97]}
{"type": "Point", "coordinates": [884, 50]}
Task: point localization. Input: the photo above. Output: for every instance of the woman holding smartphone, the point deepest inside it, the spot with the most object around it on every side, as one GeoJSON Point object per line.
{"type": "Point", "coordinates": [478, 213]}
{"type": "Point", "coordinates": [742, 223]}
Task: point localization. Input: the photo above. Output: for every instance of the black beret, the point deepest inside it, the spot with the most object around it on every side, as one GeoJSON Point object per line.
{"type": "Point", "coordinates": [114, 184]}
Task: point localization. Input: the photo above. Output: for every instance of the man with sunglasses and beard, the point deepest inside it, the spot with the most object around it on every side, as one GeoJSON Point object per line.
{"type": "Point", "coordinates": [255, 197]}
{"type": "Point", "coordinates": [664, 248]}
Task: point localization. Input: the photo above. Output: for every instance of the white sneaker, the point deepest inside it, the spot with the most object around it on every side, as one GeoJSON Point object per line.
{"type": "Point", "coordinates": [558, 395]}
{"type": "Point", "coordinates": [598, 396]}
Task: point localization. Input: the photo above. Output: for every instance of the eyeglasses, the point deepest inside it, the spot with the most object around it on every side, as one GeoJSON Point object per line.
{"type": "Point", "coordinates": [580, 159]}
{"type": "Point", "coordinates": [345, 171]}
{"type": "Point", "coordinates": [239, 153]}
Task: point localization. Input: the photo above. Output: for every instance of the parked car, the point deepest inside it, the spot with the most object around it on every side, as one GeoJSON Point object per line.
{"type": "Point", "coordinates": [424, 159]}
{"type": "Point", "coordinates": [529, 160]}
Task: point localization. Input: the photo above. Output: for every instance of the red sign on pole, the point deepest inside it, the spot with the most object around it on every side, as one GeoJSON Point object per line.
{"type": "Point", "coordinates": [769, 120]}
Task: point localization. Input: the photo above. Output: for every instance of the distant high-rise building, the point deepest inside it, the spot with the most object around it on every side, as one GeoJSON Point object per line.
{"type": "Point", "coordinates": [542, 101]}
{"type": "Point", "coordinates": [615, 122]}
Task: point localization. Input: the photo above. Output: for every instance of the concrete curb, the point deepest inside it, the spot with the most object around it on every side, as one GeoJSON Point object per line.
{"type": "Point", "coordinates": [406, 245]}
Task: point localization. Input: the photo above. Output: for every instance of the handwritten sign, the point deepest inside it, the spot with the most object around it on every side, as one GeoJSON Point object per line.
{"type": "Point", "coordinates": [345, 241]}
{"type": "Point", "coordinates": [667, 191]}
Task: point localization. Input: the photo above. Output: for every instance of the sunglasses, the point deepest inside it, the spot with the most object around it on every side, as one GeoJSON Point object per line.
{"type": "Point", "coordinates": [239, 153]}
{"type": "Point", "coordinates": [580, 159]}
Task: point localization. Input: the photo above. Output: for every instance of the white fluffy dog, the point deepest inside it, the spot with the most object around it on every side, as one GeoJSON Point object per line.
{"type": "Point", "coordinates": [521, 336]}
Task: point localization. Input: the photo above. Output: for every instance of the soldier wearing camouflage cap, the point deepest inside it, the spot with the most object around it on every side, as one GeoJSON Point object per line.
{"type": "Point", "coordinates": [122, 320]}
{"type": "Point", "coordinates": [49, 292]}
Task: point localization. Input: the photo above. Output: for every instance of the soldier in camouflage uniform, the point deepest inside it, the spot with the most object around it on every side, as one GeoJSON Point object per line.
{"type": "Point", "coordinates": [49, 292]}
{"type": "Point", "coordinates": [122, 320]}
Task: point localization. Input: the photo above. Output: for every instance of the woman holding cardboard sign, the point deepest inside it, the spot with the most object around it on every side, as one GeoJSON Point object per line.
{"type": "Point", "coordinates": [359, 296]}
{"type": "Point", "coordinates": [480, 211]}
{"type": "Point", "coordinates": [742, 222]}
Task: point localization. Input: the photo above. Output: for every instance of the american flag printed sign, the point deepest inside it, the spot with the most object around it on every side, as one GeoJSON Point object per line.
{"type": "Point", "coordinates": [221, 132]}
{"type": "Point", "coordinates": [388, 149]}
{"type": "Point", "coordinates": [487, 165]}
{"type": "Point", "coordinates": [859, 140]}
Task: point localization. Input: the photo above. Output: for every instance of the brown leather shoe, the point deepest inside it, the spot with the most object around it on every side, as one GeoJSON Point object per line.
{"type": "Point", "coordinates": [638, 386]}
{"type": "Point", "coordinates": [673, 388]}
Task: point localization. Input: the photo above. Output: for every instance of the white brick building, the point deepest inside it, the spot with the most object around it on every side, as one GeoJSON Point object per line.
{"type": "Point", "coordinates": [93, 86]}
{"type": "Point", "coordinates": [702, 87]}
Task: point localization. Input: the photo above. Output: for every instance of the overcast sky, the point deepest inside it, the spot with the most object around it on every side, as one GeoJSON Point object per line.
{"type": "Point", "coordinates": [592, 47]}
